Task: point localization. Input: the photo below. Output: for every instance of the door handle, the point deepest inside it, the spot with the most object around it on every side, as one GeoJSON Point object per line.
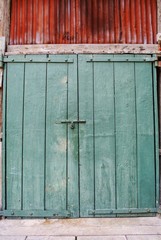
{"type": "Point", "coordinates": [72, 123]}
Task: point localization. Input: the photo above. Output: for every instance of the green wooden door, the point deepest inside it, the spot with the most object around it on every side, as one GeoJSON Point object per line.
{"type": "Point", "coordinates": [105, 163]}
{"type": "Point", "coordinates": [118, 146]}
{"type": "Point", "coordinates": [41, 168]}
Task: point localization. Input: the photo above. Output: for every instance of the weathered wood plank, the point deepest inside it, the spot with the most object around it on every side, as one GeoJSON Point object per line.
{"type": "Point", "coordinates": [3, 167]}
{"type": "Point", "coordinates": [73, 191]}
{"type": "Point", "coordinates": [126, 173]}
{"type": "Point", "coordinates": [156, 124]}
{"type": "Point", "coordinates": [82, 48]}
{"type": "Point", "coordinates": [14, 122]}
{"type": "Point", "coordinates": [86, 135]}
{"type": "Point", "coordinates": [104, 127]}
{"type": "Point", "coordinates": [145, 135]}
{"type": "Point", "coordinates": [56, 137]}
{"type": "Point", "coordinates": [33, 136]}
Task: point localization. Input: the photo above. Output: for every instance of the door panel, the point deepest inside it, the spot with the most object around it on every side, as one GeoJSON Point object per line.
{"type": "Point", "coordinates": [33, 136]}
{"type": "Point", "coordinates": [145, 136]}
{"type": "Point", "coordinates": [125, 135]}
{"type": "Point", "coordinates": [61, 140]}
{"type": "Point", "coordinates": [97, 141]}
{"type": "Point", "coordinates": [13, 135]}
{"type": "Point", "coordinates": [42, 153]}
{"type": "Point", "coordinates": [116, 168]}
{"type": "Point", "coordinates": [86, 136]}
{"type": "Point", "coordinates": [102, 165]}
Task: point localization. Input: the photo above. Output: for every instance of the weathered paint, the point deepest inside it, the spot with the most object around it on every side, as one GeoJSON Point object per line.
{"type": "Point", "coordinates": [82, 48]}
{"type": "Point", "coordinates": [105, 166]}
{"type": "Point", "coordinates": [85, 21]}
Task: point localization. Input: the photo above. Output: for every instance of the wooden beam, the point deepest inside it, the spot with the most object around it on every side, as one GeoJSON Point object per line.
{"type": "Point", "coordinates": [5, 18]}
{"type": "Point", "coordinates": [82, 48]}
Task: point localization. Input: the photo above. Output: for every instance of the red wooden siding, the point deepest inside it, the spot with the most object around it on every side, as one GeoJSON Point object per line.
{"type": "Point", "coordinates": [83, 21]}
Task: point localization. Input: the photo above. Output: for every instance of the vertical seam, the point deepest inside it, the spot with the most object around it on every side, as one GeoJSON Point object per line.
{"type": "Point", "coordinates": [45, 139]}
{"type": "Point", "coordinates": [78, 135]}
{"type": "Point", "coordinates": [136, 135]}
{"type": "Point", "coordinates": [114, 81]}
{"type": "Point", "coordinates": [67, 141]}
{"type": "Point", "coordinates": [94, 164]}
{"type": "Point", "coordinates": [23, 111]}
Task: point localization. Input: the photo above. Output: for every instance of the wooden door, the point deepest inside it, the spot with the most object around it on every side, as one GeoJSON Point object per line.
{"type": "Point", "coordinates": [118, 145]}
{"type": "Point", "coordinates": [80, 136]}
{"type": "Point", "coordinates": [41, 169]}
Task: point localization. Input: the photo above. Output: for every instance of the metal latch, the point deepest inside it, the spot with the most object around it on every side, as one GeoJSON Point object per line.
{"type": "Point", "coordinates": [72, 123]}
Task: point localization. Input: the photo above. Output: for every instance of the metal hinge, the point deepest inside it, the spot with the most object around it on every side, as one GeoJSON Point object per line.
{"type": "Point", "coordinates": [1, 60]}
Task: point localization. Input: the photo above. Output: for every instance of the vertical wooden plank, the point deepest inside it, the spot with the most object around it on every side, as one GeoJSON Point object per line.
{"type": "Point", "coordinates": [86, 144]}
{"type": "Point", "coordinates": [156, 117]}
{"type": "Point", "coordinates": [15, 81]}
{"type": "Point", "coordinates": [145, 135]}
{"type": "Point", "coordinates": [104, 125]}
{"type": "Point", "coordinates": [34, 135]}
{"type": "Point", "coordinates": [73, 192]}
{"type": "Point", "coordinates": [56, 137]}
{"type": "Point", "coordinates": [4, 160]}
{"type": "Point", "coordinates": [126, 175]}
